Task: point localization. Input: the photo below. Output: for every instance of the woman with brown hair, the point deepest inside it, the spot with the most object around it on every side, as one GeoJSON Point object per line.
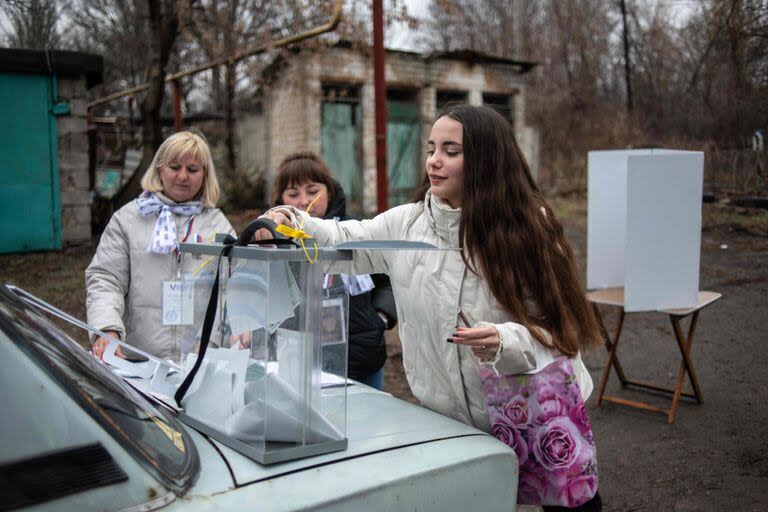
{"type": "Point", "coordinates": [514, 280]}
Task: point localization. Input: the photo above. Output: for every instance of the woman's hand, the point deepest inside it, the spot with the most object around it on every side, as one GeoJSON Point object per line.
{"type": "Point", "coordinates": [242, 340]}
{"type": "Point", "coordinates": [483, 340]}
{"type": "Point", "coordinates": [101, 343]}
{"type": "Point", "coordinates": [279, 216]}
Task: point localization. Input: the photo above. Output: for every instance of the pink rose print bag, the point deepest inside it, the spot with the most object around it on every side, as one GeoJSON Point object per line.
{"type": "Point", "coordinates": [542, 417]}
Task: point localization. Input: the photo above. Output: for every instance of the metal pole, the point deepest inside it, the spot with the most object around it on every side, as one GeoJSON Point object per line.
{"type": "Point", "coordinates": [380, 95]}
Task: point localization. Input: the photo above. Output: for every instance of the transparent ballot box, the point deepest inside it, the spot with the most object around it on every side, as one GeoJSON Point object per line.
{"type": "Point", "coordinates": [271, 383]}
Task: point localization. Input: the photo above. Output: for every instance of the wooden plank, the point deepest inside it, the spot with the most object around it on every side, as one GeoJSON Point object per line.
{"type": "Point", "coordinates": [636, 405]}
{"type": "Point", "coordinates": [656, 387]}
{"type": "Point", "coordinates": [607, 296]}
{"type": "Point", "coordinates": [705, 299]}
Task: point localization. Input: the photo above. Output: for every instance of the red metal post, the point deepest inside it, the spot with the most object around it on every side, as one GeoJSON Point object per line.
{"type": "Point", "coordinates": [380, 98]}
{"type": "Point", "coordinates": [178, 123]}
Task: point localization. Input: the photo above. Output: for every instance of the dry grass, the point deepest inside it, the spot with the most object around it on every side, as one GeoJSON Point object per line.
{"type": "Point", "coordinates": [570, 210]}
{"type": "Point", "coordinates": [753, 221]}
{"type": "Point", "coordinates": [56, 277]}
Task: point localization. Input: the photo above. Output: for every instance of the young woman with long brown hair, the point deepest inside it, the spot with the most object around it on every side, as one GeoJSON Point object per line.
{"type": "Point", "coordinates": [514, 279]}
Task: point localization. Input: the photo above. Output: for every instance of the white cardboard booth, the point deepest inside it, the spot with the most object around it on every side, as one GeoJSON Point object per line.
{"type": "Point", "coordinates": [644, 226]}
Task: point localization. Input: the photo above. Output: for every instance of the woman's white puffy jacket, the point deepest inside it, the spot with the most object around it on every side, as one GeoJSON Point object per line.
{"type": "Point", "coordinates": [429, 286]}
{"type": "Point", "coordinates": [124, 282]}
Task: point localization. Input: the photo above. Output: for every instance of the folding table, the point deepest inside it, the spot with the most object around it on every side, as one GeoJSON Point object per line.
{"type": "Point", "coordinates": [615, 297]}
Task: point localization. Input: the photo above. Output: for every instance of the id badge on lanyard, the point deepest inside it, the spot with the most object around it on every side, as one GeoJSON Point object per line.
{"type": "Point", "coordinates": [178, 303]}
{"type": "Point", "coordinates": [178, 300]}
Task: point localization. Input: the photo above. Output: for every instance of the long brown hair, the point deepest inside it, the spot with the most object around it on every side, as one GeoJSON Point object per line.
{"type": "Point", "coordinates": [511, 237]}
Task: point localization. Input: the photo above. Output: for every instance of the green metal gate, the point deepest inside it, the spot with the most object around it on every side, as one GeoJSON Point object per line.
{"type": "Point", "coordinates": [30, 213]}
{"type": "Point", "coordinates": [404, 165]}
{"type": "Point", "coordinates": [341, 148]}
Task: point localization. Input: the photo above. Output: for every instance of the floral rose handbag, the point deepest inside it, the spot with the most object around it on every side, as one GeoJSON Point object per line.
{"type": "Point", "coordinates": [543, 418]}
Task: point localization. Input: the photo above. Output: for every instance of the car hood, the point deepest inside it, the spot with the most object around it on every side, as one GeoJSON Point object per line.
{"type": "Point", "coordinates": [376, 422]}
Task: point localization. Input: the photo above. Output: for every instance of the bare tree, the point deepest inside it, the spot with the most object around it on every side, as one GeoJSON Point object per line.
{"type": "Point", "coordinates": [33, 23]}
{"type": "Point", "coordinates": [690, 82]}
{"type": "Point", "coordinates": [119, 31]}
{"type": "Point", "coordinates": [137, 38]}
{"type": "Point", "coordinates": [220, 29]}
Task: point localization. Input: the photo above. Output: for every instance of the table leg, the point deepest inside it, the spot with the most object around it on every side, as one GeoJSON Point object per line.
{"type": "Point", "coordinates": [613, 360]}
{"type": "Point", "coordinates": [608, 344]}
{"type": "Point", "coordinates": [684, 343]}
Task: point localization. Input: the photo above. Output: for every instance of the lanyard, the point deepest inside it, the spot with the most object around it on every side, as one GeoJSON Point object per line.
{"type": "Point", "coordinates": [176, 251]}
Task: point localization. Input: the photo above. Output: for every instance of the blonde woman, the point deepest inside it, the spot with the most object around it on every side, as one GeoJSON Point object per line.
{"type": "Point", "coordinates": [130, 281]}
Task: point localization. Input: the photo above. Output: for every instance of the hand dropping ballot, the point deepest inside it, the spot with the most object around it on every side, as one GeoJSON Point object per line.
{"type": "Point", "coordinates": [260, 293]}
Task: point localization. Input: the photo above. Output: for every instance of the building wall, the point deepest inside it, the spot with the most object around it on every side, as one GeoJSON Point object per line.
{"type": "Point", "coordinates": [252, 138]}
{"type": "Point", "coordinates": [295, 100]}
{"type": "Point", "coordinates": [292, 109]}
{"type": "Point", "coordinates": [74, 186]}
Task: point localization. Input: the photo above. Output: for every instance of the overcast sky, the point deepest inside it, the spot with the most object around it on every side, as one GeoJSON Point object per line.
{"type": "Point", "coordinates": [400, 37]}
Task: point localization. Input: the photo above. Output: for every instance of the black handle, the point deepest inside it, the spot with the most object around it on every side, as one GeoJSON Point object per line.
{"type": "Point", "coordinates": [254, 226]}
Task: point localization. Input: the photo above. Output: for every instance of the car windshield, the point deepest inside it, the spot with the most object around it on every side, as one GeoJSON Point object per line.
{"type": "Point", "coordinates": [152, 435]}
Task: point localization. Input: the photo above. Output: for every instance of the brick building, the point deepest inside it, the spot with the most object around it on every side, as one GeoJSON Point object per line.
{"type": "Point", "coordinates": [322, 99]}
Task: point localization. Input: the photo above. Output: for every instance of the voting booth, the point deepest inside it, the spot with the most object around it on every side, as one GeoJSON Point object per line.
{"type": "Point", "coordinates": [272, 382]}
{"type": "Point", "coordinates": [644, 226]}
{"type": "Point", "coordinates": [643, 253]}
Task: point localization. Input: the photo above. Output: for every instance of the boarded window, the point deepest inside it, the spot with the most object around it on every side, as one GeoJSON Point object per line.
{"type": "Point", "coordinates": [504, 104]}
{"type": "Point", "coordinates": [446, 97]}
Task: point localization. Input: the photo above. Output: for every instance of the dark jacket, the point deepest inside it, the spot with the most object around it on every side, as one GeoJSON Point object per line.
{"type": "Point", "coordinates": [367, 347]}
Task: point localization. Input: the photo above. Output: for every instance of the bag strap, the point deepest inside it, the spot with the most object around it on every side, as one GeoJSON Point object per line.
{"type": "Point", "coordinates": [210, 311]}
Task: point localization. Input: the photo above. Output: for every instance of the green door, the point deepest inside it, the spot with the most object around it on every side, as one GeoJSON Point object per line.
{"type": "Point", "coordinates": [341, 149]}
{"type": "Point", "coordinates": [30, 217]}
{"type": "Point", "coordinates": [404, 165]}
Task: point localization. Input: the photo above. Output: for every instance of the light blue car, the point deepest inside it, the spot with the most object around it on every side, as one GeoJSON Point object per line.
{"type": "Point", "coordinates": [74, 436]}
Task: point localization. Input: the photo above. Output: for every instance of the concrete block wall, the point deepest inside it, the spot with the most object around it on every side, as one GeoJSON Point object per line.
{"type": "Point", "coordinates": [252, 139]}
{"type": "Point", "coordinates": [287, 111]}
{"type": "Point", "coordinates": [72, 132]}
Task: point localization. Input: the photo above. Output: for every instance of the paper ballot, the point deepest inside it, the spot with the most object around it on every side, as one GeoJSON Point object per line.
{"type": "Point", "coordinates": [221, 397]}
{"type": "Point", "coordinates": [218, 389]}
{"type": "Point", "coordinates": [285, 416]}
{"type": "Point", "coordinates": [259, 292]}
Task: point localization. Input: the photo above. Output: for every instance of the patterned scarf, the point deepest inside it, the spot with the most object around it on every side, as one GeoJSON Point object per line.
{"type": "Point", "coordinates": [164, 238]}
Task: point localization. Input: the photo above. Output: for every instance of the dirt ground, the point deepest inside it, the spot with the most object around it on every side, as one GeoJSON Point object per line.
{"type": "Point", "coordinates": [714, 457]}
